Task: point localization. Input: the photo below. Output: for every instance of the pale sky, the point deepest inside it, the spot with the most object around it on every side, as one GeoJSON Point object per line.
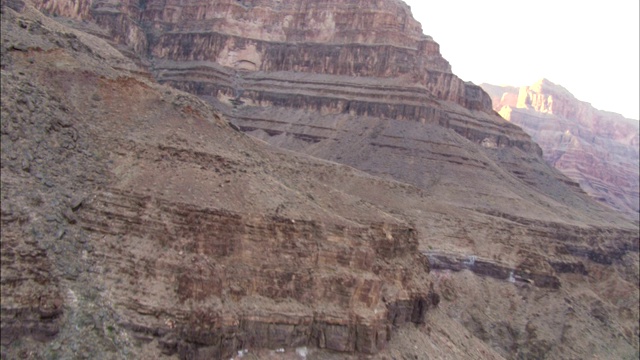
{"type": "Point", "coordinates": [589, 47]}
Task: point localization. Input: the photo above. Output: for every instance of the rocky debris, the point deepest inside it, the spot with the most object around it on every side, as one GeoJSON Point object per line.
{"type": "Point", "coordinates": [596, 149]}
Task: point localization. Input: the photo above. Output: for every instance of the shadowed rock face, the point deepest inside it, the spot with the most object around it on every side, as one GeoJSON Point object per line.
{"type": "Point", "coordinates": [597, 149]}
{"type": "Point", "coordinates": [157, 231]}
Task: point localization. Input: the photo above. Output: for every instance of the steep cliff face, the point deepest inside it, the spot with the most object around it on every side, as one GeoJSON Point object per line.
{"type": "Point", "coordinates": [597, 149]}
{"type": "Point", "coordinates": [369, 43]}
{"type": "Point", "coordinates": [157, 231]}
{"type": "Point", "coordinates": [361, 39]}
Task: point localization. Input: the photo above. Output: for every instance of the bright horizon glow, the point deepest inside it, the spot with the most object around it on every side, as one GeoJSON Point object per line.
{"type": "Point", "coordinates": [591, 48]}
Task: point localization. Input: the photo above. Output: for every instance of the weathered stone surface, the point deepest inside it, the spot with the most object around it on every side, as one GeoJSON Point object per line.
{"type": "Point", "coordinates": [597, 149]}
{"type": "Point", "coordinates": [492, 269]}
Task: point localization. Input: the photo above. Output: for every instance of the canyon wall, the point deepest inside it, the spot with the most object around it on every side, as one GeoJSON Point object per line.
{"type": "Point", "coordinates": [140, 221]}
{"type": "Point", "coordinates": [597, 149]}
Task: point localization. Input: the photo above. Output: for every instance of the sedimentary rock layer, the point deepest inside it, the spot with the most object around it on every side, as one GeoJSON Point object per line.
{"type": "Point", "coordinates": [358, 39]}
{"type": "Point", "coordinates": [334, 291]}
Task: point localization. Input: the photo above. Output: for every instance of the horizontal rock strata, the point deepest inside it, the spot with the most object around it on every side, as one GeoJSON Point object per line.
{"type": "Point", "coordinates": [202, 243]}
{"type": "Point", "coordinates": [484, 267]}
{"type": "Point", "coordinates": [211, 48]}
{"type": "Point", "coordinates": [245, 261]}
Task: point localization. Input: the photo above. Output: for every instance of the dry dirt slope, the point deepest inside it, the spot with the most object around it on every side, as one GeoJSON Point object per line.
{"type": "Point", "coordinates": [128, 208]}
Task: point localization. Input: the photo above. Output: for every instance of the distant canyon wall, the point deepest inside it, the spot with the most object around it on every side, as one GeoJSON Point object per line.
{"type": "Point", "coordinates": [597, 149]}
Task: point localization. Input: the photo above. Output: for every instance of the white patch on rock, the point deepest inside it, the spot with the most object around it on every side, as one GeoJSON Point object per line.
{"type": "Point", "coordinates": [71, 297]}
{"type": "Point", "coordinates": [489, 143]}
{"type": "Point", "coordinates": [302, 352]}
